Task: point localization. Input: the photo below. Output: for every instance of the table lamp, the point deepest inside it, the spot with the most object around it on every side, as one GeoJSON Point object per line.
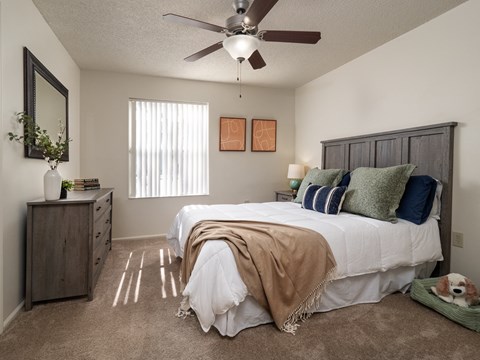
{"type": "Point", "coordinates": [296, 172]}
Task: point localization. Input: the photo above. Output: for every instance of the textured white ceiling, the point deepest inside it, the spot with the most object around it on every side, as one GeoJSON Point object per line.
{"type": "Point", "coordinates": [131, 35]}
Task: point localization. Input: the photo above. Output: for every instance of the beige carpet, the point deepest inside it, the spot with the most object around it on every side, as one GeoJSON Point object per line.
{"type": "Point", "coordinates": [134, 318]}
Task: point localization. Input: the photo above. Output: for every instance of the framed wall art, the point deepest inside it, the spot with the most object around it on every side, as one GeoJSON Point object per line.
{"type": "Point", "coordinates": [264, 135]}
{"type": "Point", "coordinates": [233, 134]}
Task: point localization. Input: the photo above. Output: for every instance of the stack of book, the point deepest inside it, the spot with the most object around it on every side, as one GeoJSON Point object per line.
{"type": "Point", "coordinates": [86, 184]}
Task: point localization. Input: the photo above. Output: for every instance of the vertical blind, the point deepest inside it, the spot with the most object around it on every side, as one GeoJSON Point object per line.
{"type": "Point", "coordinates": [168, 145]}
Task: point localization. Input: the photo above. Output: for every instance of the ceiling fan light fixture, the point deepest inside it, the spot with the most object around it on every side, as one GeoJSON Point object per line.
{"type": "Point", "coordinates": [241, 47]}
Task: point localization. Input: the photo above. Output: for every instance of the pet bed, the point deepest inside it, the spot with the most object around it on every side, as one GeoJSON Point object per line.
{"type": "Point", "coordinates": [468, 317]}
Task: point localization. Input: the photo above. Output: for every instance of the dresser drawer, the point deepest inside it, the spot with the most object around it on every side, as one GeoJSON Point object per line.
{"type": "Point", "coordinates": [100, 254]}
{"type": "Point", "coordinates": [101, 205]}
{"type": "Point", "coordinates": [102, 226]}
{"type": "Point", "coordinates": [282, 197]}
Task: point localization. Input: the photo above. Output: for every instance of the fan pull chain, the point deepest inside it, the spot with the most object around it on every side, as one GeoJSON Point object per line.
{"type": "Point", "coordinates": [239, 75]}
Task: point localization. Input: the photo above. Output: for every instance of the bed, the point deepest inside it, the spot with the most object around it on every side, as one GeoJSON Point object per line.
{"type": "Point", "coordinates": [374, 258]}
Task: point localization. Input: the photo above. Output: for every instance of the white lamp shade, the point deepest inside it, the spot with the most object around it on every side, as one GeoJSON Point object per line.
{"type": "Point", "coordinates": [296, 171]}
{"type": "Point", "coordinates": [241, 46]}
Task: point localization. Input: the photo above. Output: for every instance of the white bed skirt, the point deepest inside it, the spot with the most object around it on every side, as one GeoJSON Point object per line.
{"type": "Point", "coordinates": [362, 289]}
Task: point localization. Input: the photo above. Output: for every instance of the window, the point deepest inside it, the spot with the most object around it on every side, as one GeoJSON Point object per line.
{"type": "Point", "coordinates": [168, 149]}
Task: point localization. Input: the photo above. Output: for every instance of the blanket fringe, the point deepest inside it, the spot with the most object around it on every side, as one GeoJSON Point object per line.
{"type": "Point", "coordinates": [184, 310]}
{"type": "Point", "coordinates": [303, 311]}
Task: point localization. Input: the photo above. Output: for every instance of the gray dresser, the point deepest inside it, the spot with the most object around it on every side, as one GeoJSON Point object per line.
{"type": "Point", "coordinates": [68, 241]}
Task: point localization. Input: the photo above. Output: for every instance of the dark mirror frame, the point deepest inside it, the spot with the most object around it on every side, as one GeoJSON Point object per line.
{"type": "Point", "coordinates": [32, 65]}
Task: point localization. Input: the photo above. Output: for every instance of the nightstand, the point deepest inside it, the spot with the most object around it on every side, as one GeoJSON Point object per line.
{"type": "Point", "coordinates": [286, 195]}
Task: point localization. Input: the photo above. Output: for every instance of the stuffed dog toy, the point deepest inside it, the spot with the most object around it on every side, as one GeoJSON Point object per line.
{"type": "Point", "coordinates": [457, 289]}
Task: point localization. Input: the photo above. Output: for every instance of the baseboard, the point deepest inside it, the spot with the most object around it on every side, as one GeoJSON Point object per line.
{"type": "Point", "coordinates": [141, 237]}
{"type": "Point", "coordinates": [13, 315]}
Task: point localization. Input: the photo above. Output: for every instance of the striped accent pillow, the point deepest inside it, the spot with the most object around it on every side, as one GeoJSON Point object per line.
{"type": "Point", "coordinates": [309, 196]}
{"type": "Point", "coordinates": [324, 199]}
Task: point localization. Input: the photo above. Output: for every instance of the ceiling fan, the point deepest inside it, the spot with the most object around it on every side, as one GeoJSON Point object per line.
{"type": "Point", "coordinates": [243, 36]}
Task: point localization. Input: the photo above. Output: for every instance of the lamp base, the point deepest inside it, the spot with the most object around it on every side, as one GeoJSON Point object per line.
{"type": "Point", "coordinates": [295, 184]}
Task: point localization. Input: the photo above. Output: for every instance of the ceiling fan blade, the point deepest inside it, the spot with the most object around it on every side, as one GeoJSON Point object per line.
{"type": "Point", "coordinates": [301, 37]}
{"type": "Point", "coordinates": [192, 22]}
{"type": "Point", "coordinates": [204, 52]}
{"type": "Point", "coordinates": [257, 11]}
{"type": "Point", "coordinates": [256, 60]}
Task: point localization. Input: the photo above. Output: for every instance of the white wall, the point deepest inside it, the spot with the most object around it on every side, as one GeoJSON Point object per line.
{"type": "Point", "coordinates": [429, 75]}
{"type": "Point", "coordinates": [234, 176]}
{"type": "Point", "coordinates": [1, 179]}
{"type": "Point", "coordinates": [21, 178]}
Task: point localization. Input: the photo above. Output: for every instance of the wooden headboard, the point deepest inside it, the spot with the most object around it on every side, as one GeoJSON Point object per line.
{"type": "Point", "coordinates": [428, 147]}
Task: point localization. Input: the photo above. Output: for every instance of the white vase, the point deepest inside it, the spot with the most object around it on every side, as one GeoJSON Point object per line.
{"type": "Point", "coordinates": [52, 184]}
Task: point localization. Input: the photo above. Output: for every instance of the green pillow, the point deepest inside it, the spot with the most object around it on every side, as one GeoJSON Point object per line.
{"type": "Point", "coordinates": [376, 192]}
{"type": "Point", "coordinates": [316, 176]}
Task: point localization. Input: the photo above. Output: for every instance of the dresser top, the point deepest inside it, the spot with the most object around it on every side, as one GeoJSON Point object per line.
{"type": "Point", "coordinates": [86, 196]}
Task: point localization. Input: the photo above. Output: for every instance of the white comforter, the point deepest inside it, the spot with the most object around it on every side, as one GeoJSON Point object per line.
{"type": "Point", "coordinates": [360, 245]}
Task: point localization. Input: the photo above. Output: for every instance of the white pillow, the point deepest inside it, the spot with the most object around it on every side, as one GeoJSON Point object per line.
{"type": "Point", "coordinates": [437, 204]}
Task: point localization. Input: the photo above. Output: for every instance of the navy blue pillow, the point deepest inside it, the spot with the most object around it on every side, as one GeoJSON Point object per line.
{"type": "Point", "coordinates": [345, 180]}
{"type": "Point", "coordinates": [416, 203]}
{"type": "Point", "coordinates": [309, 195]}
{"type": "Point", "coordinates": [324, 199]}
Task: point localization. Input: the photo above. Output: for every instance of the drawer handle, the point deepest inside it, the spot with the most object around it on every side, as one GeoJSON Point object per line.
{"type": "Point", "coordinates": [98, 234]}
{"type": "Point", "coordinates": [108, 200]}
{"type": "Point", "coordinates": [98, 208]}
{"type": "Point", "coordinates": [107, 221]}
{"type": "Point", "coordinates": [98, 261]}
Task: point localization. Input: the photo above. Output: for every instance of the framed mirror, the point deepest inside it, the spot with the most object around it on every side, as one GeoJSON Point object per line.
{"type": "Point", "coordinates": [46, 101]}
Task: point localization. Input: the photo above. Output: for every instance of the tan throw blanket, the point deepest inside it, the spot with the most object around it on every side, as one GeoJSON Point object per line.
{"type": "Point", "coordinates": [285, 268]}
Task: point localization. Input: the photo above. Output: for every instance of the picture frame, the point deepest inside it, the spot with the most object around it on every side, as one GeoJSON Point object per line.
{"type": "Point", "coordinates": [264, 135]}
{"type": "Point", "coordinates": [233, 134]}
